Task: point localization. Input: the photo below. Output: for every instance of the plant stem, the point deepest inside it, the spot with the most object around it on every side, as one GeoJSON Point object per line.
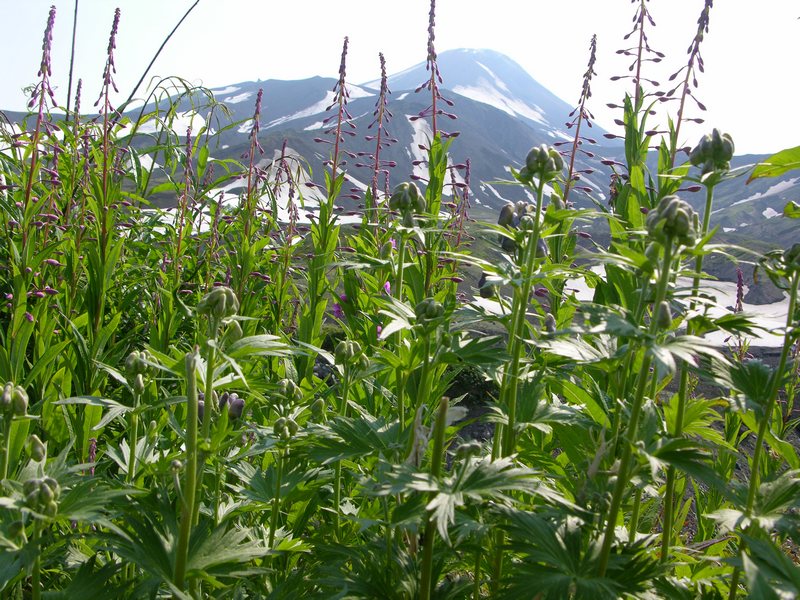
{"type": "Point", "coordinates": [6, 447]}
{"type": "Point", "coordinates": [426, 582]}
{"type": "Point", "coordinates": [276, 499]}
{"type": "Point", "coordinates": [683, 390]}
{"type": "Point", "coordinates": [337, 473]}
{"type": "Point", "coordinates": [775, 386]}
{"type": "Point", "coordinates": [519, 314]}
{"type": "Point", "coordinates": [36, 576]}
{"type": "Point", "coordinates": [189, 489]}
{"type": "Point", "coordinates": [633, 424]}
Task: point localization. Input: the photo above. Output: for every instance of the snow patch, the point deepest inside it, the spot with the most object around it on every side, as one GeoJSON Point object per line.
{"type": "Point", "coordinates": [497, 81]}
{"type": "Point", "coordinates": [728, 229]}
{"type": "Point", "coordinates": [314, 109]}
{"type": "Point", "coordinates": [313, 126]}
{"type": "Point", "coordinates": [779, 187]}
{"type": "Point", "coordinates": [488, 94]}
{"type": "Point", "coordinates": [238, 98]}
{"type": "Point", "coordinates": [422, 137]}
{"type": "Point", "coordinates": [226, 90]}
{"type": "Point", "coordinates": [770, 212]}
{"type": "Point", "coordinates": [180, 124]}
{"type": "Point", "coordinates": [402, 96]}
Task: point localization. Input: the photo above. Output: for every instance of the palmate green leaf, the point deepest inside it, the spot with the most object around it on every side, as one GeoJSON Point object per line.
{"type": "Point", "coordinates": [686, 455]}
{"type": "Point", "coordinates": [210, 548]}
{"type": "Point", "coordinates": [774, 507]}
{"type": "Point", "coordinates": [769, 572]}
{"type": "Point", "coordinates": [354, 437]}
{"type": "Point", "coordinates": [781, 447]}
{"type": "Point", "coordinates": [90, 583]}
{"type": "Point", "coordinates": [559, 561]}
{"type": "Point", "coordinates": [777, 164]}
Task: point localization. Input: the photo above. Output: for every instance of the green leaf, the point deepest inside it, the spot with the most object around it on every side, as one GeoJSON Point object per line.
{"type": "Point", "coordinates": [777, 164]}
{"type": "Point", "coordinates": [792, 210]}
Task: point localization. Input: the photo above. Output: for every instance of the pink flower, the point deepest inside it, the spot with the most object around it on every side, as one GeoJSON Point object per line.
{"type": "Point", "coordinates": [387, 287]}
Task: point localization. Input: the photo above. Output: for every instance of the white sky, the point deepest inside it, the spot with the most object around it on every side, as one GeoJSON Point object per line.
{"type": "Point", "coordinates": [750, 86]}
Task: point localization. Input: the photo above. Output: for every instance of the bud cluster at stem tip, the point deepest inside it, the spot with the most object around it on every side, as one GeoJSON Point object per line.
{"type": "Point", "coordinates": [674, 220]}
{"type": "Point", "coordinates": [408, 201]}
{"type": "Point", "coordinates": [713, 153]}
{"type": "Point", "coordinates": [543, 163]}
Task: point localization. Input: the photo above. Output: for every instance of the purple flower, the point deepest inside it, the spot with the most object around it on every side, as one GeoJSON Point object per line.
{"type": "Point", "coordinates": [337, 311]}
{"type": "Point", "coordinates": [387, 287]}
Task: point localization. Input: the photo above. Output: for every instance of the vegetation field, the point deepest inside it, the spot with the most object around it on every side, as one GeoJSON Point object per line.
{"type": "Point", "coordinates": [252, 399]}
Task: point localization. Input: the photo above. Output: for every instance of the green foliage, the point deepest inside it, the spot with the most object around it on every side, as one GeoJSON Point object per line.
{"type": "Point", "coordinates": [202, 400]}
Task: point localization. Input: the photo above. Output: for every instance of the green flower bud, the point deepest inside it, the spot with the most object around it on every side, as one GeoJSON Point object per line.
{"type": "Point", "coordinates": [550, 323]}
{"type": "Point", "coordinates": [45, 494]}
{"type": "Point", "coordinates": [663, 315]}
{"type": "Point", "coordinates": [19, 401]}
{"type": "Point", "coordinates": [672, 219]}
{"type": "Point", "coordinates": [543, 162]}
{"type": "Point", "coordinates": [233, 333]}
{"type": "Point", "coordinates": [345, 351]}
{"type": "Point", "coordinates": [318, 408]}
{"type": "Point", "coordinates": [6, 396]}
{"type": "Point", "coordinates": [468, 449]}
{"type": "Point", "coordinates": [279, 426]}
{"type": "Point", "coordinates": [36, 448]}
{"type": "Point", "coordinates": [220, 303]}
{"type": "Point", "coordinates": [30, 486]}
{"type": "Point", "coordinates": [50, 509]}
{"type": "Point", "coordinates": [713, 152]}
{"type": "Point", "coordinates": [138, 384]}
{"type": "Point", "coordinates": [176, 466]}
{"type": "Point", "coordinates": [292, 426]}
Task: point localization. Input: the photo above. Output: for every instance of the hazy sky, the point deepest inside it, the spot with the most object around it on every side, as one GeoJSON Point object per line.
{"type": "Point", "coordinates": [750, 87]}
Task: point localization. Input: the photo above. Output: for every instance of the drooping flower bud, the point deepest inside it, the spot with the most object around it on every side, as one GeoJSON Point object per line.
{"type": "Point", "coordinates": [220, 303]}
{"type": "Point", "coordinates": [36, 448]}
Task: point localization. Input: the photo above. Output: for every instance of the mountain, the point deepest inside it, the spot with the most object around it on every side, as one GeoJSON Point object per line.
{"type": "Point", "coordinates": [502, 112]}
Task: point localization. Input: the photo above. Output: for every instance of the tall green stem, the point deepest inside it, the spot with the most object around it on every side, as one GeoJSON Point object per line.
{"type": "Point", "coordinates": [337, 472]}
{"type": "Point", "coordinates": [426, 582]}
{"type": "Point", "coordinates": [36, 576]}
{"type": "Point", "coordinates": [190, 482]}
{"type": "Point", "coordinates": [510, 387]}
{"type": "Point", "coordinates": [519, 315]}
{"type": "Point", "coordinates": [775, 386]}
{"type": "Point", "coordinates": [633, 424]}
{"type": "Point", "coordinates": [276, 499]}
{"type": "Point", "coordinates": [683, 392]}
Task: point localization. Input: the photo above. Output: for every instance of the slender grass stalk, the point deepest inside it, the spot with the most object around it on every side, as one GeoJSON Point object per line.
{"type": "Point", "coordinates": [426, 583]}
{"type": "Point", "coordinates": [633, 424]}
{"type": "Point", "coordinates": [190, 469]}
